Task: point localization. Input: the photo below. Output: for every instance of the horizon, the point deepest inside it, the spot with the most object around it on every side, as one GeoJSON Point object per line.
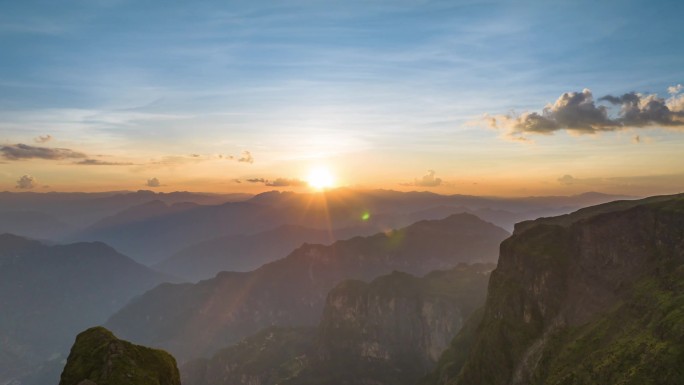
{"type": "Point", "coordinates": [468, 97]}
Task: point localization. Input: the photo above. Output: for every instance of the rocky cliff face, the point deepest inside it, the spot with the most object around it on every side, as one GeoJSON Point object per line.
{"type": "Point", "coordinates": [592, 297]}
{"type": "Point", "coordinates": [99, 358]}
{"type": "Point", "coordinates": [389, 331]}
{"type": "Point", "coordinates": [195, 320]}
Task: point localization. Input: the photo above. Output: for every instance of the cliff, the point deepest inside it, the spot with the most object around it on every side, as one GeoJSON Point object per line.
{"type": "Point", "coordinates": [99, 358]}
{"type": "Point", "coordinates": [389, 331]}
{"type": "Point", "coordinates": [596, 296]}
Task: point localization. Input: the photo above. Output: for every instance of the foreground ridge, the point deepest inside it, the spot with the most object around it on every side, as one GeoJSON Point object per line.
{"type": "Point", "coordinates": [99, 358]}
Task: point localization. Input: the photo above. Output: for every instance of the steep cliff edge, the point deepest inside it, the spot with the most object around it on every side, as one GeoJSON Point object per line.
{"type": "Point", "coordinates": [99, 358]}
{"type": "Point", "coordinates": [388, 331]}
{"type": "Point", "coordinates": [596, 296]}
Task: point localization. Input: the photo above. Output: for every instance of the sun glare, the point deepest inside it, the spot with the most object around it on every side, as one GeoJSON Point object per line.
{"type": "Point", "coordinates": [320, 178]}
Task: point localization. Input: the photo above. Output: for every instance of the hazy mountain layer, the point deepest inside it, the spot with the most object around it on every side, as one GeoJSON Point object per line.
{"type": "Point", "coordinates": [196, 319]}
{"type": "Point", "coordinates": [241, 252]}
{"type": "Point", "coordinates": [49, 293]}
{"type": "Point", "coordinates": [151, 233]}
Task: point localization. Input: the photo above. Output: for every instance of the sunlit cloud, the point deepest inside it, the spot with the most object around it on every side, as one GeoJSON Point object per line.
{"type": "Point", "coordinates": [427, 180]}
{"type": "Point", "coordinates": [579, 113]}
{"type": "Point", "coordinates": [26, 182]}
{"type": "Point", "coordinates": [153, 182]}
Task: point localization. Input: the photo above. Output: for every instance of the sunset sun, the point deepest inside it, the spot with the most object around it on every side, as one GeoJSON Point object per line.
{"type": "Point", "coordinates": [320, 178]}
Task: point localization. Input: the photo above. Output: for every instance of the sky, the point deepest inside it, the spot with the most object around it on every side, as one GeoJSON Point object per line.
{"type": "Point", "coordinates": [509, 98]}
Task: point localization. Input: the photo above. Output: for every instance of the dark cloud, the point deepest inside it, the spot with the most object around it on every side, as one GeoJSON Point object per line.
{"type": "Point", "coordinates": [153, 182]}
{"type": "Point", "coordinates": [26, 182]}
{"type": "Point", "coordinates": [279, 182]}
{"type": "Point", "coordinates": [257, 180]}
{"type": "Point", "coordinates": [24, 151]}
{"type": "Point", "coordinates": [246, 157]}
{"type": "Point", "coordinates": [42, 138]}
{"type": "Point", "coordinates": [577, 111]}
{"type": "Point", "coordinates": [638, 110]}
{"type": "Point", "coordinates": [428, 180]}
{"type": "Point", "coordinates": [95, 162]}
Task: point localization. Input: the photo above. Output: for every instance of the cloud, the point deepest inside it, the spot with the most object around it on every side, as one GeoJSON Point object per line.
{"type": "Point", "coordinates": [279, 182]}
{"type": "Point", "coordinates": [153, 182]}
{"type": "Point", "coordinates": [24, 151]}
{"type": "Point", "coordinates": [26, 182]}
{"type": "Point", "coordinates": [567, 180]}
{"type": "Point", "coordinates": [674, 90]}
{"type": "Point", "coordinates": [246, 157]}
{"type": "Point", "coordinates": [42, 139]}
{"type": "Point", "coordinates": [637, 110]}
{"type": "Point", "coordinates": [257, 180]}
{"type": "Point", "coordinates": [579, 113]}
{"type": "Point", "coordinates": [428, 180]}
{"type": "Point", "coordinates": [95, 162]}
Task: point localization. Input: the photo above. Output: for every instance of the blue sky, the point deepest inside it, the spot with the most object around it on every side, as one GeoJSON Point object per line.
{"type": "Point", "coordinates": [396, 84]}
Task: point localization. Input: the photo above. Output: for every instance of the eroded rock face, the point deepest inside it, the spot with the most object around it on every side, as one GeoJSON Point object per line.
{"type": "Point", "coordinates": [99, 358]}
{"type": "Point", "coordinates": [387, 332]}
{"type": "Point", "coordinates": [588, 295]}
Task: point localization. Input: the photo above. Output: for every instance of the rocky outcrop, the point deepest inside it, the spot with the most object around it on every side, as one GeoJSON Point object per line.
{"type": "Point", "coordinates": [389, 331]}
{"type": "Point", "coordinates": [596, 296]}
{"type": "Point", "coordinates": [99, 358]}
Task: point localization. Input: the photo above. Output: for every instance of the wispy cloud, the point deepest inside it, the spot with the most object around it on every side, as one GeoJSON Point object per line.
{"type": "Point", "coordinates": [96, 162]}
{"type": "Point", "coordinates": [279, 182]}
{"type": "Point", "coordinates": [246, 157]}
{"type": "Point", "coordinates": [23, 151]}
{"type": "Point", "coordinates": [42, 138]}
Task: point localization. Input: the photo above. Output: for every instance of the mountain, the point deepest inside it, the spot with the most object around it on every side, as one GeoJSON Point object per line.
{"type": "Point", "coordinates": [33, 224]}
{"type": "Point", "coordinates": [389, 331]}
{"type": "Point", "coordinates": [99, 358]}
{"type": "Point", "coordinates": [80, 210]}
{"type": "Point", "coordinates": [49, 293]}
{"type": "Point", "coordinates": [596, 296]}
{"type": "Point", "coordinates": [154, 238]}
{"type": "Point", "coordinates": [191, 320]}
{"type": "Point", "coordinates": [240, 252]}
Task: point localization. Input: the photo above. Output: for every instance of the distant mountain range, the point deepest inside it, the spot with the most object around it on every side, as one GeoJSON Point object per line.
{"type": "Point", "coordinates": [155, 231]}
{"type": "Point", "coordinates": [49, 293]}
{"type": "Point", "coordinates": [191, 320]}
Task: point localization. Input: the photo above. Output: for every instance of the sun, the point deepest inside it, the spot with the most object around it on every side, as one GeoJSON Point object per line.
{"type": "Point", "coordinates": [321, 178]}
